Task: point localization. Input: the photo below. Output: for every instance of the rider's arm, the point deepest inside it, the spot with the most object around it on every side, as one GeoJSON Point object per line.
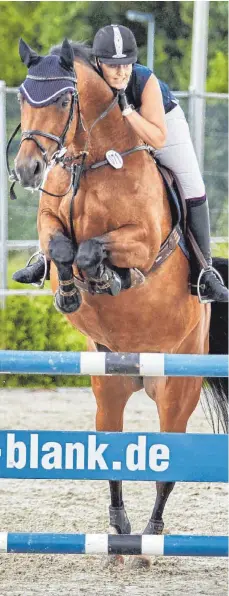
{"type": "Point", "coordinates": [150, 124]}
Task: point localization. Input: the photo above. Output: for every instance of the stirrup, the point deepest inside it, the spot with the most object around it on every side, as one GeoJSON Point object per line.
{"type": "Point", "coordinates": [41, 283]}
{"type": "Point", "coordinates": [203, 300]}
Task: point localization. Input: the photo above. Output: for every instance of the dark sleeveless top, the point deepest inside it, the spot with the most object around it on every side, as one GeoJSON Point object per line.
{"type": "Point", "coordinates": [137, 82]}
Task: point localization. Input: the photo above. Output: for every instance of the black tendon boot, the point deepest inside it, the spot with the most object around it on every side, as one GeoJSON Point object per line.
{"type": "Point", "coordinates": [208, 285]}
{"type": "Point", "coordinates": [34, 273]}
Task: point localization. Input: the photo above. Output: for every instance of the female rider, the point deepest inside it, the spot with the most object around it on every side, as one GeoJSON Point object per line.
{"type": "Point", "coordinates": [153, 112]}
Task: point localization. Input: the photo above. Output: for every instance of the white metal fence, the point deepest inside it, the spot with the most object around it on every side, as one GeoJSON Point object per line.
{"type": "Point", "coordinates": [18, 218]}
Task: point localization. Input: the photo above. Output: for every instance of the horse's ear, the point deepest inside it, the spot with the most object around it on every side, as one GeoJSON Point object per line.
{"type": "Point", "coordinates": [66, 56]}
{"type": "Point", "coordinates": [27, 55]}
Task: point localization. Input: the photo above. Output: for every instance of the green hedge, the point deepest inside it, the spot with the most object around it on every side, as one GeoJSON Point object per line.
{"type": "Point", "coordinates": [29, 323]}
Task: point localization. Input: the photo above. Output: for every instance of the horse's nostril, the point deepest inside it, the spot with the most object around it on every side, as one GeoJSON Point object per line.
{"type": "Point", "coordinates": [29, 172]}
{"type": "Point", "coordinates": [37, 168]}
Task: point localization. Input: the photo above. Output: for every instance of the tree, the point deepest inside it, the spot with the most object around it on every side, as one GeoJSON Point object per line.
{"type": "Point", "coordinates": [217, 65]}
{"type": "Point", "coordinates": [41, 24]}
{"type": "Point", "coordinates": [218, 73]}
{"type": "Point", "coordinates": [44, 24]}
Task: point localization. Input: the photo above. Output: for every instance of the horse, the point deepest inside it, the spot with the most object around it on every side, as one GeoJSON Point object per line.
{"type": "Point", "coordinates": [117, 220]}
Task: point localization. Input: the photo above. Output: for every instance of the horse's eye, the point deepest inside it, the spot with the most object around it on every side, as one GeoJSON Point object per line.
{"type": "Point", "coordinates": [65, 102]}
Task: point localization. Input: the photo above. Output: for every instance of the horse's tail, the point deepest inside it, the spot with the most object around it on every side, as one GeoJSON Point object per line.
{"type": "Point", "coordinates": [216, 389]}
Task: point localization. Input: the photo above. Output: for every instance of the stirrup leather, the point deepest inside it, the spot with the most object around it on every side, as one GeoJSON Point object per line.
{"type": "Point", "coordinates": [200, 286]}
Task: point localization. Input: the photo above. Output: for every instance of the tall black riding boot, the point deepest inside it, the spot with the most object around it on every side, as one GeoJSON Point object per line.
{"type": "Point", "coordinates": [34, 273]}
{"type": "Point", "coordinates": [210, 285]}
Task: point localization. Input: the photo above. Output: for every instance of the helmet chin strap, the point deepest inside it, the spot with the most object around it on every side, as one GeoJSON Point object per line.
{"type": "Point", "coordinates": [98, 65]}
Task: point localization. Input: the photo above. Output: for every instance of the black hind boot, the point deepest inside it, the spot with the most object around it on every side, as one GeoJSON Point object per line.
{"type": "Point", "coordinates": [34, 273]}
{"type": "Point", "coordinates": [208, 284]}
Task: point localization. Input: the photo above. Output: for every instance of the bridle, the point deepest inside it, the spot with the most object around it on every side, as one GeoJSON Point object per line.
{"type": "Point", "coordinates": [31, 135]}
{"type": "Point", "coordinates": [58, 156]}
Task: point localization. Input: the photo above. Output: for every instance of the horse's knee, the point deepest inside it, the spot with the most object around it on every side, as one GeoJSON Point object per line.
{"type": "Point", "coordinates": [90, 256]}
{"type": "Point", "coordinates": [61, 250]}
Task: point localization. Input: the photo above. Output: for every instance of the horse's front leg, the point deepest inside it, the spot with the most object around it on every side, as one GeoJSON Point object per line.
{"type": "Point", "coordinates": [175, 405]}
{"type": "Point", "coordinates": [67, 297]}
{"type": "Point", "coordinates": [112, 260]}
{"type": "Point", "coordinates": [91, 259]}
{"type": "Point", "coordinates": [112, 394]}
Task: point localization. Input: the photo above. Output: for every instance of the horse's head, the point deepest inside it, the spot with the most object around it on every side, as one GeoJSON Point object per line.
{"type": "Point", "coordinates": [49, 119]}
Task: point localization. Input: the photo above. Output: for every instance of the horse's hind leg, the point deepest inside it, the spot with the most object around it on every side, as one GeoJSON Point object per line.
{"type": "Point", "coordinates": [155, 524]}
{"type": "Point", "coordinates": [176, 399]}
{"type": "Point", "coordinates": [112, 394]}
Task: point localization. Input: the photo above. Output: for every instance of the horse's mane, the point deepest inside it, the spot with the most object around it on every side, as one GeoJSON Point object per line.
{"type": "Point", "coordinates": [80, 49]}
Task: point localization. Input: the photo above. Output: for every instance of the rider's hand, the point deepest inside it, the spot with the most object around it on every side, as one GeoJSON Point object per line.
{"type": "Point", "coordinates": [125, 107]}
{"type": "Point", "coordinates": [122, 100]}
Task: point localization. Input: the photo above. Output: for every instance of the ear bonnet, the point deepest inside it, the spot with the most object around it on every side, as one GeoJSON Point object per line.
{"type": "Point", "coordinates": [48, 77]}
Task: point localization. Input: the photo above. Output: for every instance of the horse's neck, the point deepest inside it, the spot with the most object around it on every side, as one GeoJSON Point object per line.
{"type": "Point", "coordinates": [112, 131]}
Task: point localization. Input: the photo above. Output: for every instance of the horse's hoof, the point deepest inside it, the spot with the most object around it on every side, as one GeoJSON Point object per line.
{"type": "Point", "coordinates": [154, 527]}
{"type": "Point", "coordinates": [67, 304]}
{"type": "Point", "coordinates": [140, 562]}
{"type": "Point", "coordinates": [136, 278]}
{"type": "Point", "coordinates": [113, 561]}
{"type": "Point", "coordinates": [119, 520]}
{"type": "Point", "coordinates": [144, 561]}
{"type": "Point", "coordinates": [115, 284]}
{"type": "Point", "coordinates": [107, 282]}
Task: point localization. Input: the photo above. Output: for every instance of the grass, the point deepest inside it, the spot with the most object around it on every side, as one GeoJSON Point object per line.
{"type": "Point", "coordinates": [220, 249]}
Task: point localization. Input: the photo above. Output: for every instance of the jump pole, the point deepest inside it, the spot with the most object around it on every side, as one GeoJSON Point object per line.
{"type": "Point", "coordinates": [113, 363]}
{"type": "Point", "coordinates": [108, 544]}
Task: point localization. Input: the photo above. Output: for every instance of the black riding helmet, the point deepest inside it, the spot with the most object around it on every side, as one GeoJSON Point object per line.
{"type": "Point", "coordinates": [115, 44]}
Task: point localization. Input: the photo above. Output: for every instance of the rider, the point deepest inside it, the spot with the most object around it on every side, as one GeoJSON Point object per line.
{"type": "Point", "coordinates": [153, 112]}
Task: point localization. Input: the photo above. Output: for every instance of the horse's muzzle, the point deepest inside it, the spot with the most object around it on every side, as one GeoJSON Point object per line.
{"type": "Point", "coordinates": [30, 172]}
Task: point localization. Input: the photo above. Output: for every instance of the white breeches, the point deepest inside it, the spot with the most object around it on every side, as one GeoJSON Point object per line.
{"type": "Point", "coordinates": [179, 156]}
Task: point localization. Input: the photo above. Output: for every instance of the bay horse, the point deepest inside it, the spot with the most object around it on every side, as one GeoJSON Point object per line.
{"type": "Point", "coordinates": [119, 217]}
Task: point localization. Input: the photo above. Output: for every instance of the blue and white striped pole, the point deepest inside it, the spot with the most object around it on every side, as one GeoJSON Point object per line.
{"type": "Point", "coordinates": [177, 546]}
{"type": "Point", "coordinates": [113, 363]}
